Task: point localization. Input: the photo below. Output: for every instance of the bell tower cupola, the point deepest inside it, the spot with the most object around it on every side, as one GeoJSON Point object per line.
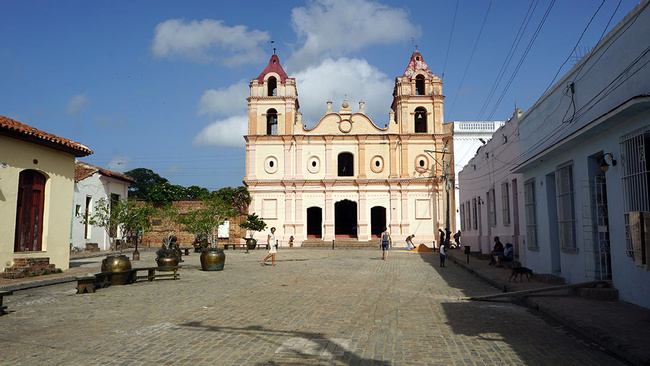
{"type": "Point", "coordinates": [418, 99]}
{"type": "Point", "coordinates": [273, 101]}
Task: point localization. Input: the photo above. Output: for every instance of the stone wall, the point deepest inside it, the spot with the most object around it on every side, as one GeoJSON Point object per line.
{"type": "Point", "coordinates": [154, 237]}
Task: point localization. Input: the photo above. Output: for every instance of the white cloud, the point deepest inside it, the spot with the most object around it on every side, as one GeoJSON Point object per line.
{"type": "Point", "coordinates": [208, 40]}
{"type": "Point", "coordinates": [228, 132]}
{"type": "Point", "coordinates": [226, 101]}
{"type": "Point", "coordinates": [334, 79]}
{"type": "Point", "coordinates": [336, 27]}
{"type": "Point", "coordinates": [77, 103]}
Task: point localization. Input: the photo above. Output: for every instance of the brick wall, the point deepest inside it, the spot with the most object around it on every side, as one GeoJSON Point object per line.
{"type": "Point", "coordinates": [154, 237]}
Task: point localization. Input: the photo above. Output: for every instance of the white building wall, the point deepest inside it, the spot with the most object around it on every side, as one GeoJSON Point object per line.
{"type": "Point", "coordinates": [95, 187]}
{"type": "Point", "coordinates": [603, 97]}
{"type": "Point", "coordinates": [467, 140]}
{"type": "Point", "coordinates": [488, 170]}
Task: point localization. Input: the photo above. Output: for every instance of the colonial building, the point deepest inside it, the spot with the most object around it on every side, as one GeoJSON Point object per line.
{"type": "Point", "coordinates": [469, 136]}
{"type": "Point", "coordinates": [36, 195]}
{"type": "Point", "coordinates": [346, 177]}
{"type": "Point", "coordinates": [91, 184]}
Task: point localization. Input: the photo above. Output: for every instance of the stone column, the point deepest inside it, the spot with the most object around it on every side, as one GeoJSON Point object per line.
{"type": "Point", "coordinates": [361, 141]}
{"type": "Point", "coordinates": [392, 143]}
{"type": "Point", "coordinates": [299, 162]}
{"type": "Point", "coordinates": [394, 214]}
{"type": "Point", "coordinates": [287, 156]}
{"type": "Point", "coordinates": [329, 159]}
{"type": "Point", "coordinates": [328, 224]}
{"type": "Point", "coordinates": [300, 231]}
{"type": "Point", "coordinates": [250, 158]}
{"type": "Point", "coordinates": [288, 210]}
{"type": "Point", "coordinates": [404, 157]}
{"type": "Point", "coordinates": [363, 226]}
{"type": "Point", "coordinates": [405, 222]}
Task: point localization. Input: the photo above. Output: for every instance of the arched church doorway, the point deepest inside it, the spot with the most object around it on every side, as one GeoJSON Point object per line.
{"type": "Point", "coordinates": [377, 220]}
{"type": "Point", "coordinates": [314, 222]}
{"type": "Point", "coordinates": [345, 219]}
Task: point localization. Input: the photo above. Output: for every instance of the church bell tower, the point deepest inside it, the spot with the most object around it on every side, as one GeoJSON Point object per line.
{"type": "Point", "coordinates": [418, 99]}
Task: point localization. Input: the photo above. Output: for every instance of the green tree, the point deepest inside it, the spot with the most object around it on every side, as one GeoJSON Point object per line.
{"type": "Point", "coordinates": [125, 215]}
{"type": "Point", "coordinates": [166, 193]}
{"type": "Point", "coordinates": [239, 198]}
{"type": "Point", "coordinates": [145, 180]}
{"type": "Point", "coordinates": [194, 192]}
{"type": "Point", "coordinates": [253, 223]}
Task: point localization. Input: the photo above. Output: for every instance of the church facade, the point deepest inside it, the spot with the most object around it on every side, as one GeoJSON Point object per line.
{"type": "Point", "coordinates": [347, 178]}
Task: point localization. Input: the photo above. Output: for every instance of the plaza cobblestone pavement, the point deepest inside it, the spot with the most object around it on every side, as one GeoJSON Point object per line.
{"type": "Point", "coordinates": [316, 307]}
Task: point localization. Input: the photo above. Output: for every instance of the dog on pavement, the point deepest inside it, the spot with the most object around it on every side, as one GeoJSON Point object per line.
{"type": "Point", "coordinates": [521, 271]}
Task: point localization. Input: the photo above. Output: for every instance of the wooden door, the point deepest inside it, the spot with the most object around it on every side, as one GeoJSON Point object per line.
{"type": "Point", "coordinates": [29, 213]}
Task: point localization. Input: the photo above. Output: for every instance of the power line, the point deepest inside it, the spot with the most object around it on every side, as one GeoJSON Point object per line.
{"type": "Point", "coordinates": [453, 24]}
{"type": "Point", "coordinates": [470, 59]}
{"type": "Point", "coordinates": [574, 47]}
{"type": "Point", "coordinates": [523, 57]}
{"type": "Point", "coordinates": [506, 62]}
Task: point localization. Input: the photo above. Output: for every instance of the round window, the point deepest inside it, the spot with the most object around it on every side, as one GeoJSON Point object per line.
{"type": "Point", "coordinates": [421, 163]}
{"type": "Point", "coordinates": [271, 164]}
{"type": "Point", "coordinates": [313, 164]}
{"type": "Point", "coordinates": [377, 164]}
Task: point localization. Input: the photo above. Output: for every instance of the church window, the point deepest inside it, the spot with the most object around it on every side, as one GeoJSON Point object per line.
{"type": "Point", "coordinates": [272, 87]}
{"type": "Point", "coordinates": [346, 164]}
{"type": "Point", "coordinates": [419, 85]}
{"type": "Point", "coordinates": [420, 120]}
{"type": "Point", "coordinates": [272, 122]}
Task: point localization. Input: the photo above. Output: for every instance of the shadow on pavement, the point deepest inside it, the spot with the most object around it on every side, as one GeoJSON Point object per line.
{"type": "Point", "coordinates": [298, 348]}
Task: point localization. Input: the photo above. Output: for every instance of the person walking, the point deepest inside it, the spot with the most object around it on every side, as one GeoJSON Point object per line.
{"type": "Point", "coordinates": [442, 255]}
{"type": "Point", "coordinates": [409, 242]}
{"type": "Point", "coordinates": [270, 241]}
{"type": "Point", "coordinates": [386, 242]}
{"type": "Point", "coordinates": [442, 238]}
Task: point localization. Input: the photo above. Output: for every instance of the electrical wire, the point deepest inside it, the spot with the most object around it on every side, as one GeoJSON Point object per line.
{"type": "Point", "coordinates": [523, 57]}
{"type": "Point", "coordinates": [470, 59]}
{"type": "Point", "coordinates": [509, 55]}
{"type": "Point", "coordinates": [453, 24]}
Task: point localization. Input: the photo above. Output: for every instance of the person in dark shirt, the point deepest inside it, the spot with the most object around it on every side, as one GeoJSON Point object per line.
{"type": "Point", "coordinates": [496, 251]}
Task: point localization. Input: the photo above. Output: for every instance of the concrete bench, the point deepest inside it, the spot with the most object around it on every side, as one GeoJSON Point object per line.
{"type": "Point", "coordinates": [2, 295]}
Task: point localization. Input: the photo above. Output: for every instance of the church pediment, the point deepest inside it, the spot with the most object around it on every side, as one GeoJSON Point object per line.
{"type": "Point", "coordinates": [345, 124]}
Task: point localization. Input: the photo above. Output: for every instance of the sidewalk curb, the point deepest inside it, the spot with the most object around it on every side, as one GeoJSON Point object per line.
{"type": "Point", "coordinates": [40, 283]}
{"type": "Point", "coordinates": [610, 343]}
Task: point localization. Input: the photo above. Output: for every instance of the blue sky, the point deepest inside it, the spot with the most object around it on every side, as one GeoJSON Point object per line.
{"type": "Point", "coordinates": [162, 84]}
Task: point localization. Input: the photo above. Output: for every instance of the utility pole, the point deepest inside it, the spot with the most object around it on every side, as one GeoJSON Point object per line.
{"type": "Point", "coordinates": [445, 177]}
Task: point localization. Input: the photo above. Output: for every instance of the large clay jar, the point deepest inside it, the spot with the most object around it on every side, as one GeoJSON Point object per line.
{"type": "Point", "coordinates": [120, 264]}
{"type": "Point", "coordinates": [167, 262]}
{"type": "Point", "coordinates": [251, 243]}
{"type": "Point", "coordinates": [212, 260]}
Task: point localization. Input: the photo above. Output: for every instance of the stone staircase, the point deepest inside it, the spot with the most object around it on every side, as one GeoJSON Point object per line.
{"type": "Point", "coordinates": [25, 267]}
{"type": "Point", "coordinates": [347, 243]}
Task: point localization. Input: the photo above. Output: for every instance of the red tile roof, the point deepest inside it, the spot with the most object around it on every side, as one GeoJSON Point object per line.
{"type": "Point", "coordinates": [416, 64]}
{"type": "Point", "coordinates": [15, 129]}
{"type": "Point", "coordinates": [84, 170]}
{"type": "Point", "coordinates": [273, 66]}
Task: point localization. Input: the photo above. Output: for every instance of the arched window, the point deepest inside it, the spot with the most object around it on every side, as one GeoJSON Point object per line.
{"type": "Point", "coordinates": [272, 87]}
{"type": "Point", "coordinates": [272, 122]}
{"type": "Point", "coordinates": [346, 164]}
{"type": "Point", "coordinates": [29, 212]}
{"type": "Point", "coordinates": [420, 120]}
{"type": "Point", "coordinates": [419, 85]}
